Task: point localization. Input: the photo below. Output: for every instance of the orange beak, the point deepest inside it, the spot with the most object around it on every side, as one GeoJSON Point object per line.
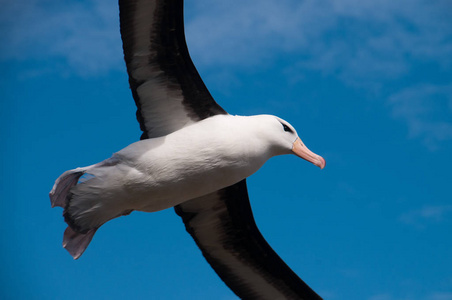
{"type": "Point", "coordinates": [302, 151]}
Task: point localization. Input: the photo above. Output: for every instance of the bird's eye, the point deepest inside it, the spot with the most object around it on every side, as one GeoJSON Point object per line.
{"type": "Point", "coordinates": [286, 128]}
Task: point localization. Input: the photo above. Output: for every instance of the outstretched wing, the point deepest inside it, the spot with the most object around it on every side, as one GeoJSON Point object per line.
{"type": "Point", "coordinates": [170, 94]}
{"type": "Point", "coordinates": [223, 226]}
{"type": "Point", "coordinates": [168, 91]}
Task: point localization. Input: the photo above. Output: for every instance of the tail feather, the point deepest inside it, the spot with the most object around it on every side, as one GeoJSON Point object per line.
{"type": "Point", "coordinates": [76, 243]}
{"type": "Point", "coordinates": [60, 190]}
{"type": "Point", "coordinates": [73, 241]}
{"type": "Point", "coordinates": [84, 211]}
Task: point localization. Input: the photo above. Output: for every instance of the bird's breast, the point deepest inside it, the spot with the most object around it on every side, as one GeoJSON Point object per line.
{"type": "Point", "coordinates": [166, 173]}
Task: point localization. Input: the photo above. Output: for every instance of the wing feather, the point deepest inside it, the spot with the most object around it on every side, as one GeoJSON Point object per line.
{"type": "Point", "coordinates": [166, 87]}
{"type": "Point", "coordinates": [170, 94]}
{"type": "Point", "coordinates": [223, 227]}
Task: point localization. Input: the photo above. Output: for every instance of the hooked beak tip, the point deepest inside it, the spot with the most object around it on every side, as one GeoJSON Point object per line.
{"type": "Point", "coordinates": [302, 151]}
{"type": "Point", "coordinates": [321, 163]}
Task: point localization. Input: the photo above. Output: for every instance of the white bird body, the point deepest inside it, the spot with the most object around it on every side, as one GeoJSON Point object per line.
{"type": "Point", "coordinates": [193, 156]}
{"type": "Point", "coordinates": [160, 173]}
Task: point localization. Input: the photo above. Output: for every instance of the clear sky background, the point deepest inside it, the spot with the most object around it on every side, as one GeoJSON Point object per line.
{"type": "Point", "coordinates": [367, 84]}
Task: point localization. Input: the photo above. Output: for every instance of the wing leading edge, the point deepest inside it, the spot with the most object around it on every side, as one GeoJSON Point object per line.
{"type": "Point", "coordinates": [166, 87]}
{"type": "Point", "coordinates": [170, 94]}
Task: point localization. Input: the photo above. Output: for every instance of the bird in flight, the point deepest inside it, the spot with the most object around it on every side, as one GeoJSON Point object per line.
{"type": "Point", "coordinates": [192, 156]}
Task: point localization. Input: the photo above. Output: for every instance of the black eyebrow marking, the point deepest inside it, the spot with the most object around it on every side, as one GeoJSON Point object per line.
{"type": "Point", "coordinates": [286, 128]}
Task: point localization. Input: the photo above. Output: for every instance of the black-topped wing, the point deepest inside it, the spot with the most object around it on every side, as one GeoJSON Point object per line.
{"type": "Point", "coordinates": [166, 86]}
{"type": "Point", "coordinates": [223, 226]}
{"type": "Point", "coordinates": [170, 94]}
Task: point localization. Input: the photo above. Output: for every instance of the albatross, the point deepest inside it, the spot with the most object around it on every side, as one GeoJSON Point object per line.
{"type": "Point", "coordinates": [192, 156]}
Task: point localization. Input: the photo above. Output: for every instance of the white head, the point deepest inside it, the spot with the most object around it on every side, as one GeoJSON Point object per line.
{"type": "Point", "coordinates": [284, 139]}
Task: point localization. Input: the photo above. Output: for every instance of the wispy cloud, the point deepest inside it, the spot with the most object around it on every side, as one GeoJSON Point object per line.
{"type": "Point", "coordinates": [427, 110]}
{"type": "Point", "coordinates": [355, 39]}
{"type": "Point", "coordinates": [431, 296]}
{"type": "Point", "coordinates": [381, 297]}
{"type": "Point", "coordinates": [348, 37]}
{"type": "Point", "coordinates": [370, 44]}
{"type": "Point", "coordinates": [84, 35]}
{"type": "Point", "coordinates": [440, 296]}
{"type": "Point", "coordinates": [427, 214]}
{"type": "Point", "coordinates": [378, 46]}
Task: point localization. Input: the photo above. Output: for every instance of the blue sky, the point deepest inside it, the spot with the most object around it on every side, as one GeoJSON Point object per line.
{"type": "Point", "coordinates": [367, 85]}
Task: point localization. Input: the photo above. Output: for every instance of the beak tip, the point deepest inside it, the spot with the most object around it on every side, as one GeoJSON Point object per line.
{"type": "Point", "coordinates": [321, 163]}
{"type": "Point", "coordinates": [302, 151]}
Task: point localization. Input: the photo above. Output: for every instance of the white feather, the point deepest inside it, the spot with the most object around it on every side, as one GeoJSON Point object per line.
{"type": "Point", "coordinates": [159, 173]}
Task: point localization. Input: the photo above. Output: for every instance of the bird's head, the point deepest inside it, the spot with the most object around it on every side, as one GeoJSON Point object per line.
{"type": "Point", "coordinates": [285, 140]}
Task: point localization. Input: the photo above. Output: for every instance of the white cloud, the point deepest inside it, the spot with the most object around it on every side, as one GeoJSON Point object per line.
{"type": "Point", "coordinates": [249, 32]}
{"type": "Point", "coordinates": [365, 44]}
{"type": "Point", "coordinates": [429, 213]}
{"type": "Point", "coordinates": [440, 296]}
{"type": "Point", "coordinates": [85, 35]}
{"type": "Point", "coordinates": [431, 296]}
{"type": "Point", "coordinates": [427, 110]}
{"type": "Point", "coordinates": [381, 297]}
{"type": "Point", "coordinates": [370, 44]}
{"type": "Point", "coordinates": [357, 40]}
